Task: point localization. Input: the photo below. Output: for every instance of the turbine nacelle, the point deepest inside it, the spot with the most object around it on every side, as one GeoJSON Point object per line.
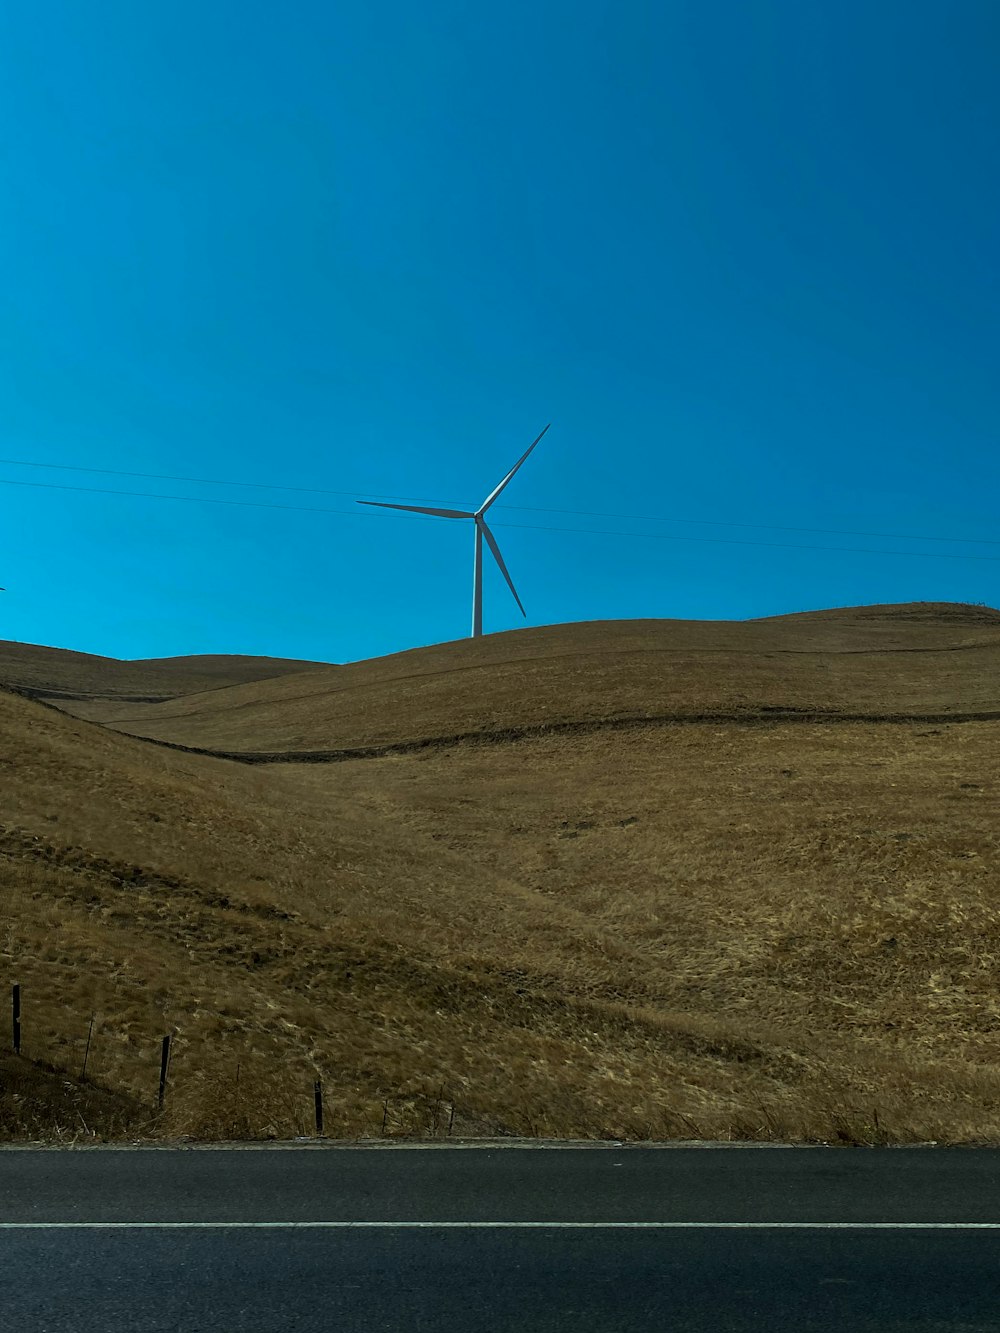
{"type": "Point", "coordinates": [482, 531]}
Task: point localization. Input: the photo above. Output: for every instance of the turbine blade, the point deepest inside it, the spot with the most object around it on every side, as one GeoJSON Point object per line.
{"type": "Point", "coordinates": [491, 542]}
{"type": "Point", "coordinates": [419, 509]}
{"type": "Point", "coordinates": [493, 495]}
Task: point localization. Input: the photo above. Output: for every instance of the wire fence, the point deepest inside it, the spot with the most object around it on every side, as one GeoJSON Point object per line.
{"type": "Point", "coordinates": [388, 1115]}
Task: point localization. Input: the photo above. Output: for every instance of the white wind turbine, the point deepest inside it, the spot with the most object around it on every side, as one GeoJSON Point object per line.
{"type": "Point", "coordinates": [482, 530]}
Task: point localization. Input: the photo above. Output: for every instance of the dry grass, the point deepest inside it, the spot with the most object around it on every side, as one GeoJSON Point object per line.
{"type": "Point", "coordinates": [41, 1103]}
{"type": "Point", "coordinates": [724, 929]}
{"type": "Point", "coordinates": [58, 673]}
{"type": "Point", "coordinates": [870, 661]}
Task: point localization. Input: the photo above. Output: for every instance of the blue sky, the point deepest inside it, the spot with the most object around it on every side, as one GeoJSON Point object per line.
{"type": "Point", "coordinates": [744, 257]}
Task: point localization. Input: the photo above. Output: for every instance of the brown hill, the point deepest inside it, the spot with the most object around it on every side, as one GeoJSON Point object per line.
{"type": "Point", "coordinates": [746, 925]}
{"type": "Point", "coordinates": [868, 661]}
{"type": "Point", "coordinates": [59, 673]}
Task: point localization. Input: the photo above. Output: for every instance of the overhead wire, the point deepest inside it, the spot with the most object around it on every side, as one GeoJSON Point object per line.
{"type": "Point", "coordinates": [527, 509]}
{"type": "Point", "coordinates": [528, 527]}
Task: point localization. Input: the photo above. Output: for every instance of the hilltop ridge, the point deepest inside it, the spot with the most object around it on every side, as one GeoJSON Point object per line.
{"type": "Point", "coordinates": [61, 673]}
{"type": "Point", "coordinates": [875, 661]}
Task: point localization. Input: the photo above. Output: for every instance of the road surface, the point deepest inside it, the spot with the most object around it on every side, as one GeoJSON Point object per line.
{"type": "Point", "coordinates": [509, 1239]}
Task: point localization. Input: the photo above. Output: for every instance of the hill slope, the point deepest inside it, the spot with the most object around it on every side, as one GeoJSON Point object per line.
{"type": "Point", "coordinates": [675, 930]}
{"type": "Point", "coordinates": [869, 661]}
{"type": "Point", "coordinates": [59, 673]}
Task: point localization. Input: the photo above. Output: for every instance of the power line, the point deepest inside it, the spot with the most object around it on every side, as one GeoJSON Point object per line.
{"type": "Point", "coordinates": [187, 499]}
{"type": "Point", "coordinates": [768, 527]}
{"type": "Point", "coordinates": [733, 541]}
{"type": "Point", "coordinates": [162, 476]}
{"type": "Point", "coordinates": [527, 509]}
{"type": "Point", "coordinates": [527, 527]}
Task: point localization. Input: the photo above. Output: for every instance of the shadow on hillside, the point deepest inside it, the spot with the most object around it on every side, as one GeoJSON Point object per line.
{"type": "Point", "coordinates": [39, 1102]}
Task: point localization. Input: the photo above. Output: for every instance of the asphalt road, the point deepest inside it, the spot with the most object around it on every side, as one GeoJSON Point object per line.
{"type": "Point", "coordinates": [497, 1240]}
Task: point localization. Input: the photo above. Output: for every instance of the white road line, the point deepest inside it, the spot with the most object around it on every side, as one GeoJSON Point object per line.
{"type": "Point", "coordinates": [399, 1226]}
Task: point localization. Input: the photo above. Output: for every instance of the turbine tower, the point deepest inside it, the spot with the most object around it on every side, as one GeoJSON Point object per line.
{"type": "Point", "coordinates": [482, 532]}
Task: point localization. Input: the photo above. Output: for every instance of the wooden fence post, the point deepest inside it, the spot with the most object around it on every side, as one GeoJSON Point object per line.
{"type": "Point", "coordinates": [164, 1062]}
{"type": "Point", "coordinates": [86, 1054]}
{"type": "Point", "coordinates": [236, 1098]}
{"type": "Point", "coordinates": [15, 1011]}
{"type": "Point", "coordinates": [318, 1098]}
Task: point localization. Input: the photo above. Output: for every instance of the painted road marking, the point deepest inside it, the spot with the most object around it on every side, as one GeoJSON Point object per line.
{"type": "Point", "coordinates": [607, 1226]}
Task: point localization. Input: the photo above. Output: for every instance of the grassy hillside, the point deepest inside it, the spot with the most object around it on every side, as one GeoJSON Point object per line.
{"type": "Point", "coordinates": [59, 673]}
{"type": "Point", "coordinates": [869, 660]}
{"type": "Point", "coordinates": [38, 1101]}
{"type": "Point", "coordinates": [734, 926]}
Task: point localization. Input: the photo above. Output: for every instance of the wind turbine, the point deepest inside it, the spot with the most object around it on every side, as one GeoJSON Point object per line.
{"type": "Point", "coordinates": [482, 531]}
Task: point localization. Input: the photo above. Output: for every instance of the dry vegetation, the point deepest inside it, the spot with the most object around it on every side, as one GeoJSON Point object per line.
{"type": "Point", "coordinates": [871, 661]}
{"type": "Point", "coordinates": [755, 924]}
{"type": "Point", "coordinates": [55, 673]}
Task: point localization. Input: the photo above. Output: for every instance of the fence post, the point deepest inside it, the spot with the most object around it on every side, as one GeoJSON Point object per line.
{"type": "Point", "coordinates": [236, 1098]}
{"type": "Point", "coordinates": [164, 1062]}
{"type": "Point", "coordinates": [385, 1113]}
{"type": "Point", "coordinates": [86, 1054]}
{"type": "Point", "coordinates": [318, 1098]}
{"type": "Point", "coordinates": [15, 1010]}
{"type": "Point", "coordinates": [451, 1118]}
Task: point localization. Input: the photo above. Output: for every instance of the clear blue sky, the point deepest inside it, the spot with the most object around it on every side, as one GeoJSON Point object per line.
{"type": "Point", "coordinates": [743, 256]}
